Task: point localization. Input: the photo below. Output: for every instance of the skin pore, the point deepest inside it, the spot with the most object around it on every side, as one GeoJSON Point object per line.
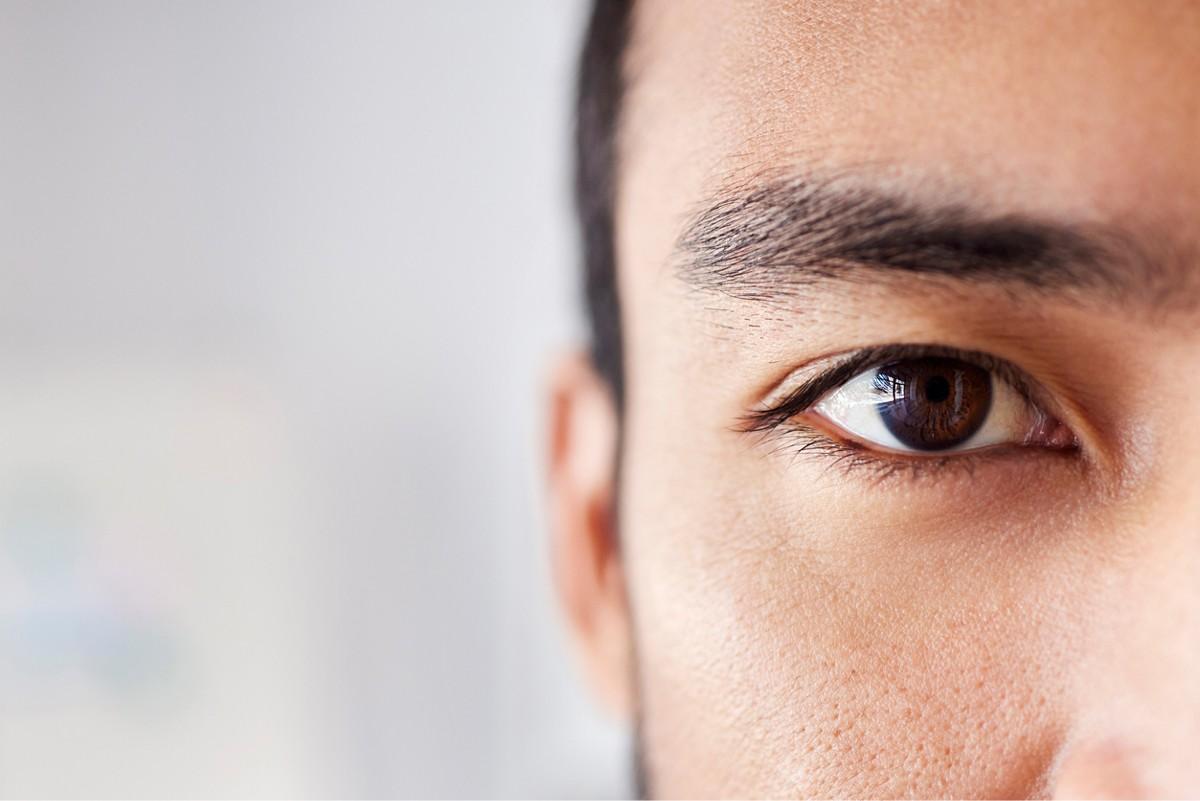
{"type": "Point", "coordinates": [793, 609]}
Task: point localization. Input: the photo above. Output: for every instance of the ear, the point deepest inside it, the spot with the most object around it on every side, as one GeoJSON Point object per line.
{"type": "Point", "coordinates": [582, 462]}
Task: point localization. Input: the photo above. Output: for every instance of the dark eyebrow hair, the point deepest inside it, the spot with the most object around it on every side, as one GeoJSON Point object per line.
{"type": "Point", "coordinates": [783, 234]}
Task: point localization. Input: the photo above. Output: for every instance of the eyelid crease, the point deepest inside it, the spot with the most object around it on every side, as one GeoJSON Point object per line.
{"type": "Point", "coordinates": [810, 392]}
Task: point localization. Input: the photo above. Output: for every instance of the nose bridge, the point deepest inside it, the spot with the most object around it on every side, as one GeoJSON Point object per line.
{"type": "Point", "coordinates": [1138, 725]}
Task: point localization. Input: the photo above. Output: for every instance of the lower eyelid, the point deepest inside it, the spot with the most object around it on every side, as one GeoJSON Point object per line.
{"type": "Point", "coordinates": [805, 439]}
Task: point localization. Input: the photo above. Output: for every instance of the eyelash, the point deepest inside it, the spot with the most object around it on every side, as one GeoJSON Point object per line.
{"type": "Point", "coordinates": [850, 457]}
{"type": "Point", "coordinates": [780, 418]}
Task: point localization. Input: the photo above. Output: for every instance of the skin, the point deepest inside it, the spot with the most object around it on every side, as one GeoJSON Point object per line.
{"type": "Point", "coordinates": [781, 624]}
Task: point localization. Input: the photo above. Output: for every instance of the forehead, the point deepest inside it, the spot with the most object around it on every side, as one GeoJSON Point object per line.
{"type": "Point", "coordinates": [1087, 111]}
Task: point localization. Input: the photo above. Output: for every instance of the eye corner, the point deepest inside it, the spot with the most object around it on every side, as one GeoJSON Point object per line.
{"type": "Point", "coordinates": [761, 421]}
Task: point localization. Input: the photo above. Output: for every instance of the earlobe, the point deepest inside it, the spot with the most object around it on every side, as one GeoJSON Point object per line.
{"type": "Point", "coordinates": [581, 472]}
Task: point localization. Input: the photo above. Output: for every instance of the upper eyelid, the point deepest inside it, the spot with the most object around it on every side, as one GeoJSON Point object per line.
{"type": "Point", "coordinates": [810, 392]}
{"type": "Point", "coordinates": [807, 394]}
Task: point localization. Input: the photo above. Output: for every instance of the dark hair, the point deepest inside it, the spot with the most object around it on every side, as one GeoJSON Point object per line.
{"type": "Point", "coordinates": [600, 90]}
{"type": "Point", "coordinates": [598, 106]}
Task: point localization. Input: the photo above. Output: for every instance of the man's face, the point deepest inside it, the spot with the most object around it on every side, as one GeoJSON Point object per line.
{"type": "Point", "coordinates": [819, 608]}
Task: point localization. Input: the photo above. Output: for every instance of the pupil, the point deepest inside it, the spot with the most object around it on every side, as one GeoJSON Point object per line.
{"type": "Point", "coordinates": [933, 403]}
{"type": "Point", "coordinates": [937, 389]}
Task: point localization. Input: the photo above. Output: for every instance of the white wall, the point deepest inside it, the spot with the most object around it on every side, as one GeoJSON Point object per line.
{"type": "Point", "coordinates": [278, 283]}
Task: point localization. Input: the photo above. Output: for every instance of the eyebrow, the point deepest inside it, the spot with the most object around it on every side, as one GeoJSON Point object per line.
{"type": "Point", "coordinates": [767, 241]}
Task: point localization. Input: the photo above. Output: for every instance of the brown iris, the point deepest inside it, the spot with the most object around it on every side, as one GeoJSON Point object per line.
{"type": "Point", "coordinates": [936, 403]}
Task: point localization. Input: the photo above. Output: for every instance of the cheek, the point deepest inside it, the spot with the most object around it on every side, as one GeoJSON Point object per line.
{"type": "Point", "coordinates": [778, 657]}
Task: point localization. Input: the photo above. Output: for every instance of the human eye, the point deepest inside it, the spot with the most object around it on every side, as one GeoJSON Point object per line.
{"type": "Point", "coordinates": [914, 401]}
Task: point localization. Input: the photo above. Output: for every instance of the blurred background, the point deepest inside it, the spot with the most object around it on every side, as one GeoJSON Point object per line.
{"type": "Point", "coordinates": [280, 283]}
